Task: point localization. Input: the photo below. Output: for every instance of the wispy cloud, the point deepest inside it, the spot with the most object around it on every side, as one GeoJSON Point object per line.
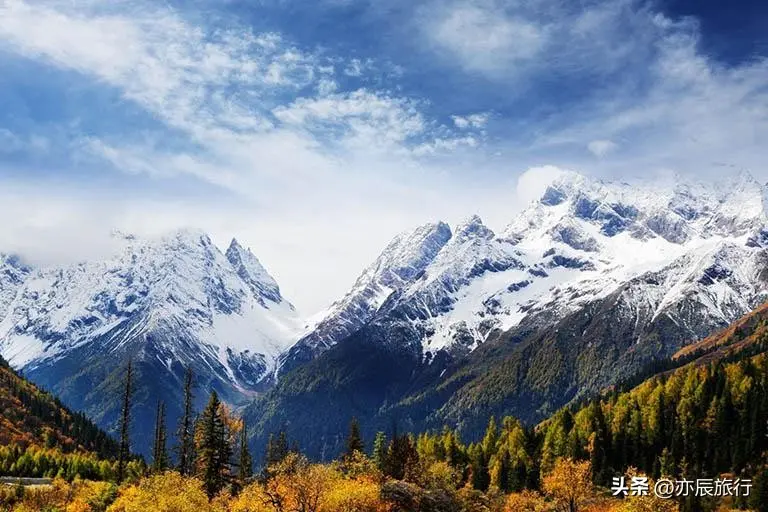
{"type": "Point", "coordinates": [237, 95]}
{"type": "Point", "coordinates": [471, 121]}
{"type": "Point", "coordinates": [326, 150]}
{"type": "Point", "coordinates": [600, 148]}
{"type": "Point", "coordinates": [486, 39]}
{"type": "Point", "coordinates": [610, 74]}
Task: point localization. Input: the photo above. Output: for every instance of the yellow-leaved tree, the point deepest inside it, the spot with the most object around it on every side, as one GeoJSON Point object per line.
{"type": "Point", "coordinates": [569, 484]}
{"type": "Point", "coordinates": [525, 501]}
{"type": "Point", "coordinates": [649, 503]}
{"type": "Point", "coordinates": [166, 492]}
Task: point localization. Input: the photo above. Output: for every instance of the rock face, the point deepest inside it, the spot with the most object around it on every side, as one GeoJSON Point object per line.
{"type": "Point", "coordinates": [584, 287]}
{"type": "Point", "coordinates": [166, 303]}
{"type": "Point", "coordinates": [401, 263]}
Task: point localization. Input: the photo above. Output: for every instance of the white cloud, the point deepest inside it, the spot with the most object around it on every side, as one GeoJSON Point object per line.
{"type": "Point", "coordinates": [693, 115]}
{"type": "Point", "coordinates": [601, 147]}
{"type": "Point", "coordinates": [532, 183]}
{"type": "Point", "coordinates": [240, 97]}
{"type": "Point", "coordinates": [485, 39]}
{"type": "Point", "coordinates": [357, 67]}
{"type": "Point", "coordinates": [471, 121]}
{"type": "Point", "coordinates": [360, 120]}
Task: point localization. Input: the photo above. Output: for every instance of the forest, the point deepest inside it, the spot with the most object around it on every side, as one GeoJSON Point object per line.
{"type": "Point", "coordinates": [708, 418]}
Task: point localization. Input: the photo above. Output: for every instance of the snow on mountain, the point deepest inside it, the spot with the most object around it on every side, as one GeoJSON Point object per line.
{"type": "Point", "coordinates": [12, 275]}
{"type": "Point", "coordinates": [399, 264]}
{"type": "Point", "coordinates": [178, 294]}
{"type": "Point", "coordinates": [582, 240]}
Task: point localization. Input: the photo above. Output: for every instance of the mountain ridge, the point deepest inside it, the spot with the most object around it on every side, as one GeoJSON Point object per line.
{"type": "Point", "coordinates": [667, 265]}
{"type": "Point", "coordinates": [590, 283]}
{"type": "Point", "coordinates": [166, 302]}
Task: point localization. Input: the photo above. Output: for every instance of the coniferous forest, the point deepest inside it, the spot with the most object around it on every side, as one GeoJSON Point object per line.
{"type": "Point", "coordinates": [704, 416]}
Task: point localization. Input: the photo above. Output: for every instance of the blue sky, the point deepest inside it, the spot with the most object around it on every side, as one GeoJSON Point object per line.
{"type": "Point", "coordinates": [316, 130]}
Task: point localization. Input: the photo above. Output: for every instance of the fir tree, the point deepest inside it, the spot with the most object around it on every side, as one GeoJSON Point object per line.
{"type": "Point", "coordinates": [213, 450]}
{"type": "Point", "coordinates": [354, 440]}
{"type": "Point", "coordinates": [402, 458]}
{"type": "Point", "coordinates": [125, 422]}
{"type": "Point", "coordinates": [245, 469]}
{"type": "Point", "coordinates": [186, 445]}
{"type": "Point", "coordinates": [380, 450]}
{"type": "Point", "coordinates": [277, 449]}
{"type": "Point", "coordinates": [159, 451]}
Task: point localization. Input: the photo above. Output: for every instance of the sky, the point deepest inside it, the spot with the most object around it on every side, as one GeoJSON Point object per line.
{"type": "Point", "coordinates": [314, 131]}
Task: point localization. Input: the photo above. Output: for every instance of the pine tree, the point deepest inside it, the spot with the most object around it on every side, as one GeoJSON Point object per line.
{"type": "Point", "coordinates": [125, 421]}
{"type": "Point", "coordinates": [354, 440]}
{"type": "Point", "coordinates": [159, 451]}
{"type": "Point", "coordinates": [185, 434]}
{"type": "Point", "coordinates": [213, 450]}
{"type": "Point", "coordinates": [402, 458]}
{"type": "Point", "coordinates": [245, 470]}
{"type": "Point", "coordinates": [380, 450]}
{"type": "Point", "coordinates": [277, 449]}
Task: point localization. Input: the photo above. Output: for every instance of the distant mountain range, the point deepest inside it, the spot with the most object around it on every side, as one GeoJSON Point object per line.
{"type": "Point", "coordinates": [166, 303]}
{"type": "Point", "coordinates": [449, 325]}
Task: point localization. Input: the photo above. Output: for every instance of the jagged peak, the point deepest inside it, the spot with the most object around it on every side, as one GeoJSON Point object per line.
{"type": "Point", "coordinates": [409, 244]}
{"type": "Point", "coordinates": [234, 245]}
{"type": "Point", "coordinates": [404, 258]}
{"type": "Point", "coordinates": [472, 228]}
{"type": "Point", "coordinates": [16, 261]}
{"type": "Point", "coordinates": [250, 269]}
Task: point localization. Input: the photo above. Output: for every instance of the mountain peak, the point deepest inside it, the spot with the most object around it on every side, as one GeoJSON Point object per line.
{"type": "Point", "coordinates": [408, 254]}
{"type": "Point", "coordinates": [250, 270]}
{"type": "Point", "coordinates": [472, 227]}
{"type": "Point", "coordinates": [234, 245]}
{"type": "Point", "coordinates": [401, 263]}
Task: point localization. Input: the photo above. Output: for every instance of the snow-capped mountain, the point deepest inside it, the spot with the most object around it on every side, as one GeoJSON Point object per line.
{"type": "Point", "coordinates": [181, 283]}
{"type": "Point", "coordinates": [580, 241]}
{"type": "Point", "coordinates": [583, 288]}
{"type": "Point", "coordinates": [166, 302]}
{"type": "Point", "coordinates": [399, 265]}
{"type": "Point", "coordinates": [12, 275]}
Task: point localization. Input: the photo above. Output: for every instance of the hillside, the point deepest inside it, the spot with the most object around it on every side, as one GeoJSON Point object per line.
{"type": "Point", "coordinates": [32, 417]}
{"type": "Point", "coordinates": [705, 418]}
{"type": "Point", "coordinates": [748, 332]}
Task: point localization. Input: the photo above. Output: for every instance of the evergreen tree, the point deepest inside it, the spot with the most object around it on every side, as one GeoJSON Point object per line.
{"type": "Point", "coordinates": [402, 458]}
{"type": "Point", "coordinates": [213, 450]}
{"type": "Point", "coordinates": [125, 422]}
{"type": "Point", "coordinates": [354, 440]}
{"type": "Point", "coordinates": [159, 451]}
{"type": "Point", "coordinates": [277, 449]}
{"type": "Point", "coordinates": [245, 469]}
{"type": "Point", "coordinates": [380, 450]}
{"type": "Point", "coordinates": [185, 432]}
{"type": "Point", "coordinates": [481, 479]}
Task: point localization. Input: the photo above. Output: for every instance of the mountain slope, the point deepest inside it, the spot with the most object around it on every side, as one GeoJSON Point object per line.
{"type": "Point", "coordinates": [400, 264]}
{"type": "Point", "coordinates": [33, 417]}
{"type": "Point", "coordinates": [716, 391]}
{"type": "Point", "coordinates": [167, 303]}
{"type": "Point", "coordinates": [584, 287]}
